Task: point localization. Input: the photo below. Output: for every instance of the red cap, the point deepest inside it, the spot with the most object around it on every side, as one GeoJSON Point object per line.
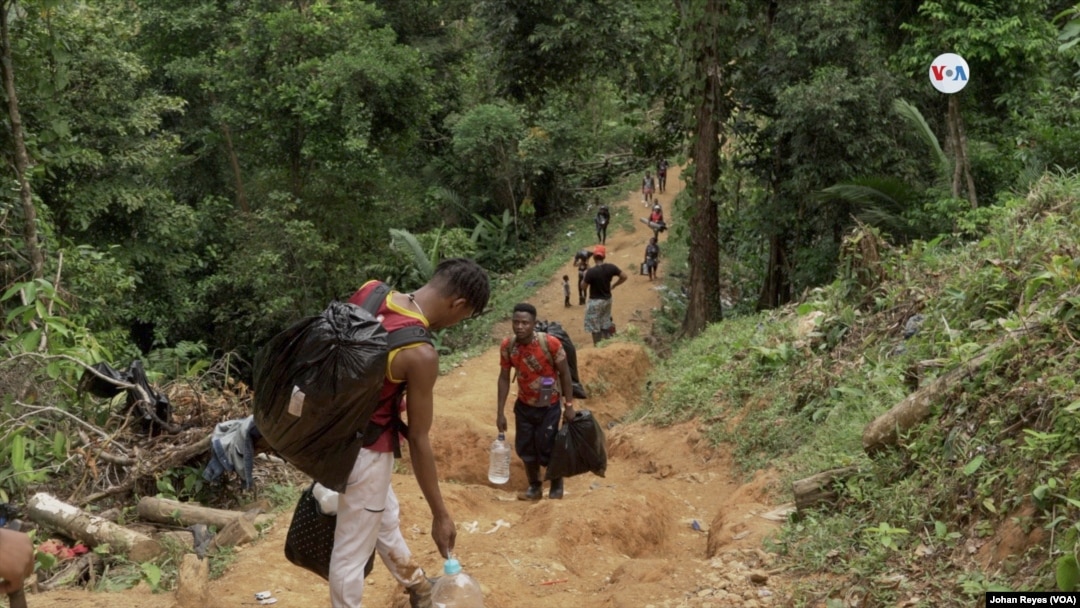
{"type": "Point", "coordinates": [600, 251]}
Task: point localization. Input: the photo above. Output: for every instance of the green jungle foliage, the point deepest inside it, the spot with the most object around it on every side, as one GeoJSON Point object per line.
{"type": "Point", "coordinates": [201, 173]}
{"type": "Point", "coordinates": [995, 459]}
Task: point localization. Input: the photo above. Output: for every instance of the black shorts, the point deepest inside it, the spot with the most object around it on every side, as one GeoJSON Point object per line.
{"type": "Point", "coordinates": [534, 430]}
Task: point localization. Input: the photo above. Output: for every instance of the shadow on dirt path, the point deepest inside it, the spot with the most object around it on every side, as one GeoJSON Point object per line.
{"type": "Point", "coordinates": [667, 526]}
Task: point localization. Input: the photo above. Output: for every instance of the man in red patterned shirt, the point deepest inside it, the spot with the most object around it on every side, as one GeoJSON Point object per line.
{"type": "Point", "coordinates": [536, 357]}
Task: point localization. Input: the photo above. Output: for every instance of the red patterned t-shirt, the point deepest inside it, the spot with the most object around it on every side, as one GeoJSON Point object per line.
{"type": "Point", "coordinates": [532, 364]}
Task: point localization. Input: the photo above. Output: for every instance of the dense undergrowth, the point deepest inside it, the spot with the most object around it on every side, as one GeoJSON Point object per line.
{"type": "Point", "coordinates": [982, 495]}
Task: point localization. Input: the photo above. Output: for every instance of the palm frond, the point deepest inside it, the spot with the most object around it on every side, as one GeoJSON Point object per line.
{"type": "Point", "coordinates": [914, 117]}
{"type": "Point", "coordinates": [411, 246]}
{"type": "Point", "coordinates": [878, 201]}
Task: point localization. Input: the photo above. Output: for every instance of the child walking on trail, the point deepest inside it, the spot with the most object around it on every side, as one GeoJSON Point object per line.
{"type": "Point", "coordinates": [566, 290]}
{"type": "Point", "coordinates": [648, 186]}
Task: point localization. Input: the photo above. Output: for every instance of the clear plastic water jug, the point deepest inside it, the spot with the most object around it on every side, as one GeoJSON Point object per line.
{"type": "Point", "coordinates": [499, 469]}
{"type": "Point", "coordinates": [455, 589]}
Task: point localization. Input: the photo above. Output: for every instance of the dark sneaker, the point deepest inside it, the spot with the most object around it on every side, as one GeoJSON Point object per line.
{"type": "Point", "coordinates": [535, 492]}
{"type": "Point", "coordinates": [556, 489]}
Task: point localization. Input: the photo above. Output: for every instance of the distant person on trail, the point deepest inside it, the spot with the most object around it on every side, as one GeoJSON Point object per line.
{"type": "Point", "coordinates": [535, 357]}
{"type": "Point", "coordinates": [661, 174]}
{"type": "Point", "coordinates": [656, 221]}
{"type": "Point", "coordinates": [648, 186]}
{"type": "Point", "coordinates": [652, 257]}
{"type": "Point", "coordinates": [603, 218]}
{"type": "Point", "coordinates": [368, 516]}
{"type": "Point", "coordinates": [16, 560]}
{"type": "Point", "coordinates": [657, 214]}
{"type": "Point", "coordinates": [581, 261]}
{"type": "Point", "coordinates": [598, 321]}
{"type": "Point", "coordinates": [566, 290]}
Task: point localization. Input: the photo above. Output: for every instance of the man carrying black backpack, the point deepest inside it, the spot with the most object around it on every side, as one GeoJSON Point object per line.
{"type": "Point", "coordinates": [367, 516]}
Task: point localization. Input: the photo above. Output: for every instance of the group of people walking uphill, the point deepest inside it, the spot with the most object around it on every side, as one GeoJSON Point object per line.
{"type": "Point", "coordinates": [367, 510]}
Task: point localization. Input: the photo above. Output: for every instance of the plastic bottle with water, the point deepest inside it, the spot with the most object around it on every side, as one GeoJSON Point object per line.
{"type": "Point", "coordinates": [455, 589]}
{"type": "Point", "coordinates": [499, 470]}
{"type": "Point", "coordinates": [547, 386]}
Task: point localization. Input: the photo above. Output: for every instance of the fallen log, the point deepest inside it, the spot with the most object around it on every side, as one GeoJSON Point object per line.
{"type": "Point", "coordinates": [819, 489]}
{"type": "Point", "coordinates": [49, 511]}
{"type": "Point", "coordinates": [885, 430]}
{"type": "Point", "coordinates": [165, 511]}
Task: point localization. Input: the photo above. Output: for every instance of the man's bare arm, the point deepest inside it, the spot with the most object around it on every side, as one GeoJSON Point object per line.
{"type": "Point", "coordinates": [420, 367]}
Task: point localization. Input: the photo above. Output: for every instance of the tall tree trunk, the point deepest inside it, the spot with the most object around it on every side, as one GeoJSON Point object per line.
{"type": "Point", "coordinates": [22, 159]}
{"type": "Point", "coordinates": [234, 163]}
{"type": "Point", "coordinates": [508, 175]}
{"type": "Point", "coordinates": [961, 164]}
{"type": "Point", "coordinates": [777, 287]}
{"type": "Point", "coordinates": [704, 306]}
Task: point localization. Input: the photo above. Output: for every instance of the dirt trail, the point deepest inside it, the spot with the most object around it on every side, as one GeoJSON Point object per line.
{"type": "Point", "coordinates": [623, 541]}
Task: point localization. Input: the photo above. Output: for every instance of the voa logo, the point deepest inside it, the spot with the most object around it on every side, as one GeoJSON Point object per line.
{"type": "Point", "coordinates": [949, 73]}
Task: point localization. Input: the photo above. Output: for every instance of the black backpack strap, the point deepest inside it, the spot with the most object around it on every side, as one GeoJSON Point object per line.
{"type": "Point", "coordinates": [399, 338]}
{"type": "Point", "coordinates": [375, 299]}
{"type": "Point", "coordinates": [405, 336]}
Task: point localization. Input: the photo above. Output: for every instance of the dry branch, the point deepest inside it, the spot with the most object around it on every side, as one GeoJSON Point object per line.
{"type": "Point", "coordinates": [74, 572]}
{"type": "Point", "coordinates": [147, 468]}
{"type": "Point", "coordinates": [48, 510]}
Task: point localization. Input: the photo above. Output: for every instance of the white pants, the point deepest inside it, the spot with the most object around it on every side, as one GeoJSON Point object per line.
{"type": "Point", "coordinates": [368, 519]}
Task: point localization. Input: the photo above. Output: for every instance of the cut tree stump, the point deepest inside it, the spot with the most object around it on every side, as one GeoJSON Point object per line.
{"type": "Point", "coordinates": [165, 511]}
{"type": "Point", "coordinates": [193, 582]}
{"type": "Point", "coordinates": [818, 489]}
{"type": "Point", "coordinates": [50, 511]}
{"type": "Point", "coordinates": [238, 532]}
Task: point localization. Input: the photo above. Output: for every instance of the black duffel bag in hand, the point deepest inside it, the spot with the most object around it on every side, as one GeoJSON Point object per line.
{"type": "Point", "coordinates": [579, 448]}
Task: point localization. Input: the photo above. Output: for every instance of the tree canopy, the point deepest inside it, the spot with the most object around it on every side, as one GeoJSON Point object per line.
{"type": "Point", "coordinates": [202, 171]}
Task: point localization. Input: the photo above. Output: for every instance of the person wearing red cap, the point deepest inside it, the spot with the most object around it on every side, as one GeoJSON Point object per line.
{"type": "Point", "coordinates": [598, 279]}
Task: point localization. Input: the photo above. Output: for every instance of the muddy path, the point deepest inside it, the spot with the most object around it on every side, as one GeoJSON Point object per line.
{"type": "Point", "coordinates": [628, 540]}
